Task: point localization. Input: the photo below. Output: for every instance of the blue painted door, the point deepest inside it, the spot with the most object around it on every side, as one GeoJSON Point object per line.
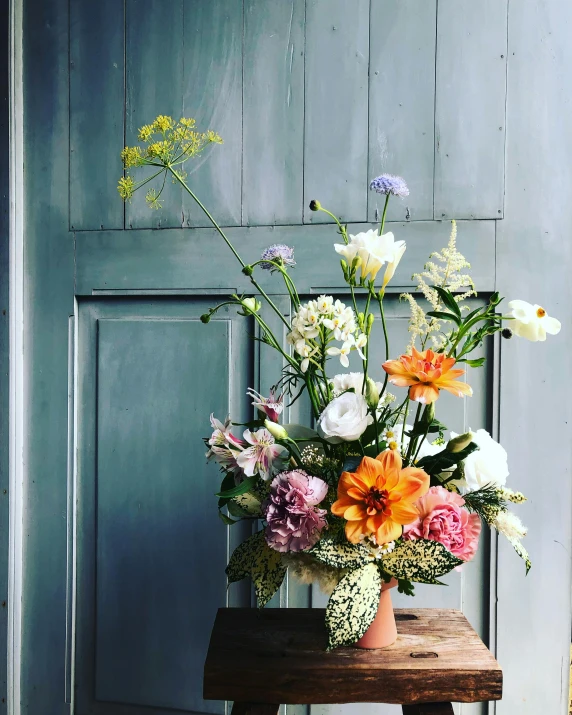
{"type": "Point", "coordinates": [124, 554]}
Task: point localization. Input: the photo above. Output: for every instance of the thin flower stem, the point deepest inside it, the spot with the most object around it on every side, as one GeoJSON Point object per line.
{"type": "Point", "coordinates": [229, 244]}
{"type": "Point", "coordinates": [413, 440]}
{"type": "Point", "coordinates": [386, 338]}
{"type": "Point", "coordinates": [382, 224]}
{"type": "Point", "coordinates": [336, 219]}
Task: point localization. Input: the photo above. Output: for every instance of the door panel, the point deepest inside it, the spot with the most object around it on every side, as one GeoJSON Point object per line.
{"type": "Point", "coordinates": [150, 552]}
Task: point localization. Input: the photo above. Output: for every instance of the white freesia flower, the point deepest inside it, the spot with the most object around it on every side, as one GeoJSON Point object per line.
{"type": "Point", "coordinates": [531, 321]}
{"type": "Point", "coordinates": [374, 251]}
{"type": "Point", "coordinates": [344, 351]}
{"type": "Point", "coordinates": [325, 304]}
{"type": "Point", "coordinates": [488, 465]}
{"type": "Point", "coordinates": [345, 419]}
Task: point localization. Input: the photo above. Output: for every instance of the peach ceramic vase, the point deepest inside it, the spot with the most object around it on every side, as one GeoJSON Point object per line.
{"type": "Point", "coordinates": [382, 631]}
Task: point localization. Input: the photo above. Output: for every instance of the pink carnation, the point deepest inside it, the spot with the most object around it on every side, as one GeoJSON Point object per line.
{"type": "Point", "coordinates": [443, 519]}
{"type": "Point", "coordinates": [294, 521]}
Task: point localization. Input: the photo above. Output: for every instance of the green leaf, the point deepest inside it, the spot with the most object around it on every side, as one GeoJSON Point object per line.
{"type": "Point", "coordinates": [450, 302]}
{"type": "Point", "coordinates": [443, 461]}
{"type": "Point", "coordinates": [419, 429]}
{"type": "Point", "coordinates": [225, 519]}
{"type": "Point", "coordinates": [445, 316]}
{"type": "Point", "coordinates": [421, 560]}
{"type": "Point", "coordinates": [301, 432]}
{"type": "Point", "coordinates": [406, 587]}
{"type": "Point", "coordinates": [341, 554]}
{"type": "Point", "coordinates": [353, 605]}
{"type": "Point", "coordinates": [241, 488]}
{"type": "Point", "coordinates": [478, 362]}
{"type": "Point", "coordinates": [256, 559]}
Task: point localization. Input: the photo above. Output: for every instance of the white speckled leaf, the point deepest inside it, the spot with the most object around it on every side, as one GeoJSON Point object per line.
{"type": "Point", "coordinates": [353, 605]}
{"type": "Point", "coordinates": [341, 555]}
{"type": "Point", "coordinates": [256, 559]}
{"type": "Point", "coordinates": [244, 505]}
{"type": "Point", "coordinates": [421, 560]}
{"type": "Point", "coordinates": [521, 551]}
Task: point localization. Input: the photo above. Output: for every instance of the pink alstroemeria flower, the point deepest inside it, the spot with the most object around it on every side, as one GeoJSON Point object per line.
{"type": "Point", "coordinates": [271, 406]}
{"type": "Point", "coordinates": [224, 446]}
{"type": "Point", "coordinates": [259, 458]}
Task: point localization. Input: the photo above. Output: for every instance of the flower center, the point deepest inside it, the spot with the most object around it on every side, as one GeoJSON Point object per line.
{"type": "Point", "coordinates": [540, 312]}
{"type": "Point", "coordinates": [376, 500]}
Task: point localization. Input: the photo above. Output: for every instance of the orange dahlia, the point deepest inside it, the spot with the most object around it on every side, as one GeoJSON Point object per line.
{"type": "Point", "coordinates": [425, 374]}
{"type": "Point", "coordinates": [378, 498]}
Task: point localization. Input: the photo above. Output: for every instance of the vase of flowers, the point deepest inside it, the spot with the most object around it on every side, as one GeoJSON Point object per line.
{"type": "Point", "coordinates": [375, 492]}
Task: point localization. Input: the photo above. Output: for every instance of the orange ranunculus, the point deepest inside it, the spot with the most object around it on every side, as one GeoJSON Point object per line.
{"type": "Point", "coordinates": [425, 374]}
{"type": "Point", "coordinates": [378, 498]}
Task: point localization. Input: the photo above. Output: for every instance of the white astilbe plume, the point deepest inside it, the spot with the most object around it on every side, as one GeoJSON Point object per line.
{"type": "Point", "coordinates": [444, 269]}
{"type": "Point", "coordinates": [308, 570]}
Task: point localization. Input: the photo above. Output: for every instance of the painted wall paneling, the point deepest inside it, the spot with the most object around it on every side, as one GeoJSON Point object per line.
{"type": "Point", "coordinates": [442, 75]}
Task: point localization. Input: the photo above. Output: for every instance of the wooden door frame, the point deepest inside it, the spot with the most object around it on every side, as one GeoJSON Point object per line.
{"type": "Point", "coordinates": [11, 336]}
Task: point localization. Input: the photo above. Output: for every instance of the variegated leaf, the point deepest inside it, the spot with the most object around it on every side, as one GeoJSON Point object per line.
{"type": "Point", "coordinates": [521, 551]}
{"type": "Point", "coordinates": [256, 559]}
{"type": "Point", "coordinates": [244, 505]}
{"type": "Point", "coordinates": [420, 560]}
{"type": "Point", "coordinates": [353, 605]}
{"type": "Point", "coordinates": [341, 555]}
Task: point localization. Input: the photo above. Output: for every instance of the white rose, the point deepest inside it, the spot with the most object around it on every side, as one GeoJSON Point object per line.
{"type": "Point", "coordinates": [531, 321]}
{"type": "Point", "coordinates": [487, 465]}
{"type": "Point", "coordinates": [345, 419]}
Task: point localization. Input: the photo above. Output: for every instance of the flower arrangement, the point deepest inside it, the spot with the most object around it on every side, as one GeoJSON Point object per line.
{"type": "Point", "coordinates": [372, 491]}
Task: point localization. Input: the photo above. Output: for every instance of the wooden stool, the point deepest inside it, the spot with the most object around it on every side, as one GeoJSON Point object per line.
{"type": "Point", "coordinates": [260, 659]}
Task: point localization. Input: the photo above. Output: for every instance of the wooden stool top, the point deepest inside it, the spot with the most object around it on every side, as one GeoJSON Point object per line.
{"type": "Point", "coordinates": [279, 656]}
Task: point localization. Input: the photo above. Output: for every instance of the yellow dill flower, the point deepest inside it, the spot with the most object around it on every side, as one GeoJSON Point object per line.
{"type": "Point", "coordinates": [159, 150]}
{"type": "Point", "coordinates": [131, 156]}
{"type": "Point", "coordinates": [162, 123]}
{"type": "Point", "coordinates": [152, 199]}
{"type": "Point", "coordinates": [189, 123]}
{"type": "Point", "coordinates": [126, 187]}
{"type": "Point", "coordinates": [145, 133]}
{"type": "Point", "coordinates": [213, 137]}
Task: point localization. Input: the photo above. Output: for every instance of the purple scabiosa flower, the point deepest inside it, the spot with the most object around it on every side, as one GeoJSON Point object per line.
{"type": "Point", "coordinates": [272, 406]}
{"type": "Point", "coordinates": [279, 253]}
{"type": "Point", "coordinates": [294, 520]}
{"type": "Point", "coordinates": [389, 184]}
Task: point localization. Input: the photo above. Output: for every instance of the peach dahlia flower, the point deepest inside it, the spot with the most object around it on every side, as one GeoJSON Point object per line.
{"type": "Point", "coordinates": [425, 373]}
{"type": "Point", "coordinates": [378, 498]}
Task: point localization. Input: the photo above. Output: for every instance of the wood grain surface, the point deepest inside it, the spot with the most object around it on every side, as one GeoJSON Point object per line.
{"type": "Point", "coordinates": [279, 655]}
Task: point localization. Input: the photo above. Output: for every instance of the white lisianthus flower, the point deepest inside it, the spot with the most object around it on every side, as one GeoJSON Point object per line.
{"type": "Point", "coordinates": [531, 321]}
{"type": "Point", "coordinates": [374, 251]}
{"type": "Point", "coordinates": [345, 419]}
{"type": "Point", "coordinates": [488, 465]}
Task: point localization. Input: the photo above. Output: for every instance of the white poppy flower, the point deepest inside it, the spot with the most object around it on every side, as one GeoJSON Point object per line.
{"type": "Point", "coordinates": [345, 419]}
{"type": "Point", "coordinates": [531, 321]}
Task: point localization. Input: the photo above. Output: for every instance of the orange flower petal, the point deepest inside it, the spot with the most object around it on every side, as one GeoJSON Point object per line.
{"type": "Point", "coordinates": [368, 471]}
{"type": "Point", "coordinates": [354, 529]}
{"type": "Point", "coordinates": [388, 531]}
{"type": "Point", "coordinates": [413, 483]}
{"type": "Point", "coordinates": [355, 512]}
{"type": "Point", "coordinates": [459, 389]}
{"type": "Point", "coordinates": [404, 513]}
{"type": "Point", "coordinates": [339, 507]}
{"type": "Point", "coordinates": [424, 392]}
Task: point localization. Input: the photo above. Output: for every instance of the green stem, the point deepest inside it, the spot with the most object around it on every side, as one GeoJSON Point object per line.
{"type": "Point", "coordinates": [336, 219]}
{"type": "Point", "coordinates": [413, 440]}
{"type": "Point", "coordinates": [382, 224]}
{"type": "Point", "coordinates": [386, 338]}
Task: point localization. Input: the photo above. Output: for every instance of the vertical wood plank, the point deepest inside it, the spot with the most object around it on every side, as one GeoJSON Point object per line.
{"type": "Point", "coordinates": [96, 113]}
{"type": "Point", "coordinates": [48, 302]}
{"type": "Point", "coordinates": [336, 114]}
{"type": "Point", "coordinates": [154, 79]}
{"type": "Point", "coordinates": [402, 103]}
{"type": "Point", "coordinates": [212, 51]}
{"type": "Point", "coordinates": [273, 114]}
{"type": "Point", "coordinates": [470, 108]}
{"type": "Point", "coordinates": [536, 609]}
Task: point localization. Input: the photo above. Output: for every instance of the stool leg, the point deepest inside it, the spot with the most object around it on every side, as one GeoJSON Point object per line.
{"type": "Point", "coordinates": [254, 709]}
{"type": "Point", "coordinates": [428, 709]}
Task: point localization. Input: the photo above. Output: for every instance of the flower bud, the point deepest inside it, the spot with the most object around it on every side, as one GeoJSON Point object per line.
{"type": "Point", "coordinates": [276, 430]}
{"type": "Point", "coordinates": [345, 270]}
{"type": "Point", "coordinates": [370, 319]}
{"type": "Point", "coordinates": [458, 443]}
{"type": "Point", "coordinates": [506, 333]}
{"type": "Point", "coordinates": [315, 205]}
{"type": "Point", "coordinates": [356, 263]}
{"type": "Point", "coordinates": [248, 270]}
{"type": "Point", "coordinates": [205, 318]}
{"type": "Point", "coordinates": [250, 304]}
{"type": "Point", "coordinates": [371, 393]}
{"type": "Point", "coordinates": [428, 414]}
